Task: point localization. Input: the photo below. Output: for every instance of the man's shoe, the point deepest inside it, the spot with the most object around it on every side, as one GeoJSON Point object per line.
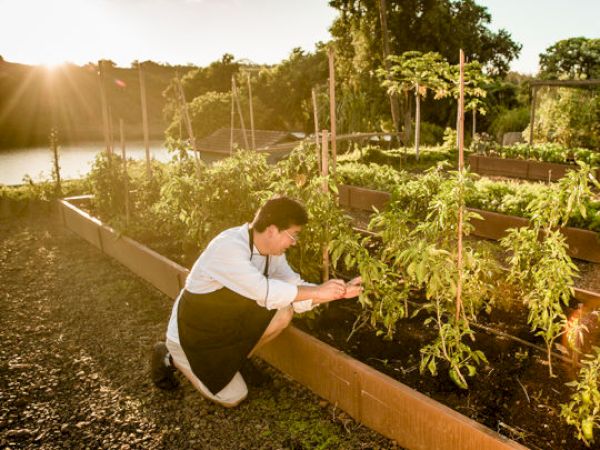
{"type": "Point", "coordinates": [253, 375]}
{"type": "Point", "coordinates": [162, 369]}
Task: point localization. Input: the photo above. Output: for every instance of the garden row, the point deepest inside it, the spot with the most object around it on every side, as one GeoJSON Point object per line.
{"type": "Point", "coordinates": [415, 253]}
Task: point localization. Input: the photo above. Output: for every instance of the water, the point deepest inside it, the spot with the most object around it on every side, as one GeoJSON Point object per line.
{"type": "Point", "coordinates": [75, 160]}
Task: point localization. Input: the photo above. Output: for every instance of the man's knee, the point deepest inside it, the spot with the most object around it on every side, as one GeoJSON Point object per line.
{"type": "Point", "coordinates": [285, 317]}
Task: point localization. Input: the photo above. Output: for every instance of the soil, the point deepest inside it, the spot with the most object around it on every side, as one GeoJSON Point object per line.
{"type": "Point", "coordinates": [76, 329]}
{"type": "Point", "coordinates": [512, 394]}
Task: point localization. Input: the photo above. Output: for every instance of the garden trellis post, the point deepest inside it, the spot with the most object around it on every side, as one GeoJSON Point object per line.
{"type": "Point", "coordinates": [145, 119]}
{"type": "Point", "coordinates": [237, 102]}
{"type": "Point", "coordinates": [232, 121]}
{"type": "Point", "coordinates": [461, 164]}
{"type": "Point", "coordinates": [325, 188]}
{"type": "Point", "coordinates": [251, 112]}
{"type": "Point", "coordinates": [332, 117]}
{"type": "Point", "coordinates": [104, 103]}
{"type": "Point", "coordinates": [188, 123]}
{"type": "Point", "coordinates": [316, 118]}
{"type": "Point", "coordinates": [125, 176]}
{"type": "Point", "coordinates": [386, 52]}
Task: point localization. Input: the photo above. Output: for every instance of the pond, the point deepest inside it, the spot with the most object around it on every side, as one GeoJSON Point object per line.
{"type": "Point", "coordinates": [75, 160]}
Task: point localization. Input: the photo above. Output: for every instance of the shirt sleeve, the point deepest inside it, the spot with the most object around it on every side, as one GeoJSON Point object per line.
{"type": "Point", "coordinates": [228, 262]}
{"type": "Point", "coordinates": [284, 272]}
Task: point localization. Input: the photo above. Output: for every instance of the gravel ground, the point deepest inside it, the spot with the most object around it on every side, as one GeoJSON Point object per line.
{"type": "Point", "coordinates": [76, 332]}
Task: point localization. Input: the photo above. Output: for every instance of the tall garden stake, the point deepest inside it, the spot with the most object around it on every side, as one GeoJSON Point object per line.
{"type": "Point", "coordinates": [332, 118]}
{"type": "Point", "coordinates": [237, 102]}
{"type": "Point", "coordinates": [104, 102]}
{"type": "Point", "coordinates": [188, 123]}
{"type": "Point", "coordinates": [461, 164]}
{"type": "Point", "coordinates": [145, 120]}
{"type": "Point", "coordinates": [125, 176]}
{"type": "Point", "coordinates": [251, 113]}
{"type": "Point", "coordinates": [55, 161]}
{"type": "Point", "coordinates": [316, 117]}
{"type": "Point", "coordinates": [325, 188]}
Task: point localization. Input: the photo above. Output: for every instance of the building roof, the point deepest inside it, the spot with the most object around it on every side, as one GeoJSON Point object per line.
{"type": "Point", "coordinates": [220, 140]}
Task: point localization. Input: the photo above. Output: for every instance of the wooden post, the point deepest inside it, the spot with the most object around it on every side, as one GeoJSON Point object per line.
{"type": "Point", "coordinates": [474, 122]}
{"type": "Point", "coordinates": [417, 121]}
{"type": "Point", "coordinates": [532, 118]}
{"type": "Point", "coordinates": [145, 120]}
{"type": "Point", "coordinates": [325, 188]}
{"type": "Point", "coordinates": [126, 178]}
{"type": "Point", "coordinates": [316, 118]}
{"type": "Point", "coordinates": [188, 123]}
{"type": "Point", "coordinates": [237, 102]}
{"type": "Point", "coordinates": [386, 51]}
{"type": "Point", "coordinates": [332, 110]}
{"type": "Point", "coordinates": [251, 113]}
{"type": "Point", "coordinates": [104, 103]}
{"type": "Point", "coordinates": [55, 159]}
{"type": "Point", "coordinates": [232, 119]}
{"type": "Point", "coordinates": [461, 164]}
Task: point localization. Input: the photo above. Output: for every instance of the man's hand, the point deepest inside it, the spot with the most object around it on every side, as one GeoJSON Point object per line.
{"type": "Point", "coordinates": [331, 290]}
{"type": "Point", "coordinates": [353, 287]}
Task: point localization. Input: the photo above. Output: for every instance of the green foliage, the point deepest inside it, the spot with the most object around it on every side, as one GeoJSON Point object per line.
{"type": "Point", "coordinates": [507, 120]}
{"type": "Point", "coordinates": [541, 268]}
{"type": "Point", "coordinates": [583, 411]}
{"type": "Point", "coordinates": [573, 58]}
{"type": "Point", "coordinates": [107, 182]}
{"type": "Point", "coordinates": [569, 116]}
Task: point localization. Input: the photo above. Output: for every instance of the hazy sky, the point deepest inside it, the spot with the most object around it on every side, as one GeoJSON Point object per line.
{"type": "Point", "coordinates": [264, 31]}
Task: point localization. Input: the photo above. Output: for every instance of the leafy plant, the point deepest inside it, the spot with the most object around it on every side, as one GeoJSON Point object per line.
{"type": "Point", "coordinates": [583, 411]}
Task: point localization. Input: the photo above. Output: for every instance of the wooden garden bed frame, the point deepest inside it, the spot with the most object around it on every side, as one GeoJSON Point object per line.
{"type": "Point", "coordinates": [583, 244]}
{"type": "Point", "coordinates": [520, 168]}
{"type": "Point", "coordinates": [385, 405]}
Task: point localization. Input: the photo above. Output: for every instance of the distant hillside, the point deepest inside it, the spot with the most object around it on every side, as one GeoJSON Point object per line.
{"type": "Point", "coordinates": [33, 99]}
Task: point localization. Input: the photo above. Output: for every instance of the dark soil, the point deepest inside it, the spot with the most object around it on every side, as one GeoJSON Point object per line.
{"type": "Point", "coordinates": [76, 329]}
{"type": "Point", "coordinates": [512, 395]}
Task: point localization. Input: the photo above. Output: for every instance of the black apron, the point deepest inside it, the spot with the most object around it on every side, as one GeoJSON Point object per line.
{"type": "Point", "coordinates": [219, 329]}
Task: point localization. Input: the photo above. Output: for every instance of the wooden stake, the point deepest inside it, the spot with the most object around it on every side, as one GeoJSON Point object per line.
{"type": "Point", "coordinates": [461, 163]}
{"type": "Point", "coordinates": [232, 122]}
{"type": "Point", "coordinates": [332, 110]}
{"type": "Point", "coordinates": [534, 90]}
{"type": "Point", "coordinates": [188, 123]}
{"type": "Point", "coordinates": [251, 113]}
{"type": "Point", "coordinates": [417, 121]}
{"type": "Point", "coordinates": [316, 117]}
{"type": "Point", "coordinates": [474, 123]}
{"type": "Point", "coordinates": [325, 188]}
{"type": "Point", "coordinates": [104, 103]}
{"type": "Point", "coordinates": [237, 102]}
{"type": "Point", "coordinates": [124, 156]}
{"type": "Point", "coordinates": [145, 120]}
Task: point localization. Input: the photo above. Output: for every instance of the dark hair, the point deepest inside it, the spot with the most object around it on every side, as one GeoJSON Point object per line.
{"type": "Point", "coordinates": [283, 212]}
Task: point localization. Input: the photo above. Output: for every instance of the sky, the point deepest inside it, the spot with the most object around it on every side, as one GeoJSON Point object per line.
{"type": "Point", "coordinates": [262, 31]}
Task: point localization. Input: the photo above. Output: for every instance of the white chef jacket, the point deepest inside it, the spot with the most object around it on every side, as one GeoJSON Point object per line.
{"type": "Point", "coordinates": [226, 262]}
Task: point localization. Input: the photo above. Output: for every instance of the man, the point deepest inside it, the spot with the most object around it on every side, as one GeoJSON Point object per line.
{"type": "Point", "coordinates": [240, 294]}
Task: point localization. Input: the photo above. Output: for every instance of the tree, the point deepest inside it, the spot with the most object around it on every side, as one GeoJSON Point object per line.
{"type": "Point", "coordinates": [573, 58]}
{"type": "Point", "coordinates": [418, 72]}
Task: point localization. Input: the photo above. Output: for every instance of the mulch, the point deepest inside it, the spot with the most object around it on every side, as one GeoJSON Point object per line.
{"type": "Point", "coordinates": [76, 330]}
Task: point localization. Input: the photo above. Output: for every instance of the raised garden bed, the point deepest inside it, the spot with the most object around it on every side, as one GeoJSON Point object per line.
{"type": "Point", "coordinates": [583, 244]}
{"type": "Point", "coordinates": [384, 404]}
{"type": "Point", "coordinates": [519, 168]}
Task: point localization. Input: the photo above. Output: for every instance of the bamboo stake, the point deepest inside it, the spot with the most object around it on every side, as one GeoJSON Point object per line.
{"type": "Point", "coordinates": [126, 181]}
{"type": "Point", "coordinates": [316, 118]}
{"type": "Point", "coordinates": [325, 188]}
{"type": "Point", "coordinates": [104, 107]}
{"type": "Point", "coordinates": [251, 112]}
{"type": "Point", "coordinates": [474, 122]}
{"type": "Point", "coordinates": [332, 110]}
{"type": "Point", "coordinates": [145, 120]}
{"type": "Point", "coordinates": [232, 122]}
{"type": "Point", "coordinates": [237, 102]}
{"type": "Point", "coordinates": [534, 91]}
{"type": "Point", "coordinates": [188, 123]}
{"type": "Point", "coordinates": [461, 163]}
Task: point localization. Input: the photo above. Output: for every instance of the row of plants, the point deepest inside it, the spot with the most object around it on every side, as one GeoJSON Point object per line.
{"type": "Point", "coordinates": [547, 152]}
{"type": "Point", "coordinates": [506, 197]}
{"type": "Point", "coordinates": [186, 203]}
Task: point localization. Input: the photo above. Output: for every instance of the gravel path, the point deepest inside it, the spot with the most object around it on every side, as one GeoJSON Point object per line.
{"type": "Point", "coordinates": [76, 331]}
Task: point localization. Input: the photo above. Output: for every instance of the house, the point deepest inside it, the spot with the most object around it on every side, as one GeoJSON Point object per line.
{"type": "Point", "coordinates": [218, 145]}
